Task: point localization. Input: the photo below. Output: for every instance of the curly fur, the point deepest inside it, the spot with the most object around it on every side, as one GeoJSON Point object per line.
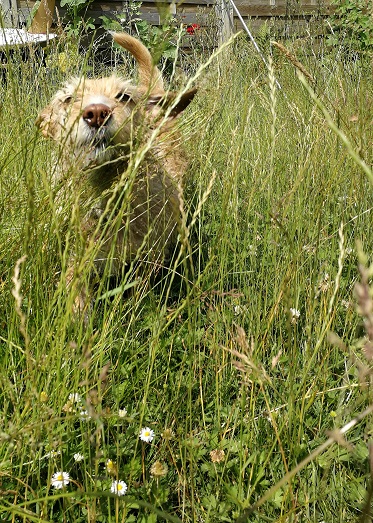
{"type": "Point", "coordinates": [97, 122]}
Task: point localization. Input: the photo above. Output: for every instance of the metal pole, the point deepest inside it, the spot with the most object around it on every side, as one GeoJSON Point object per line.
{"type": "Point", "coordinates": [251, 38]}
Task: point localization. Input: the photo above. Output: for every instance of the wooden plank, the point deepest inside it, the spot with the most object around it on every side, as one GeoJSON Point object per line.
{"type": "Point", "coordinates": [247, 8]}
{"type": "Point", "coordinates": [199, 11]}
{"type": "Point", "coordinates": [150, 17]}
{"type": "Point", "coordinates": [278, 7]}
{"type": "Point", "coordinates": [149, 13]}
{"type": "Point", "coordinates": [268, 11]}
{"type": "Point", "coordinates": [183, 4]}
{"type": "Point", "coordinates": [292, 6]}
{"type": "Point", "coordinates": [178, 4]}
{"type": "Point", "coordinates": [241, 4]}
{"type": "Point", "coordinates": [282, 26]}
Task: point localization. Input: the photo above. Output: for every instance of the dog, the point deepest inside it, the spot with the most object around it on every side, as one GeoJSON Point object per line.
{"type": "Point", "coordinates": [121, 152]}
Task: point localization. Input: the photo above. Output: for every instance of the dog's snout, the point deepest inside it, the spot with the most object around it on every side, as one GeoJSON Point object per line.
{"type": "Point", "coordinates": [96, 115]}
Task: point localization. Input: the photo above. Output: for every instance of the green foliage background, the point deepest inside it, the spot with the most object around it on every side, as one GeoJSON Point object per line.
{"type": "Point", "coordinates": [352, 25]}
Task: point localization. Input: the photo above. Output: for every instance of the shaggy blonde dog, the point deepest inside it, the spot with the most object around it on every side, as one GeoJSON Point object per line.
{"type": "Point", "coordinates": [130, 201]}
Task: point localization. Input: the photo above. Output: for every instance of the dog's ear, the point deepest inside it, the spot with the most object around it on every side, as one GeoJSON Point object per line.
{"type": "Point", "coordinates": [168, 100]}
{"type": "Point", "coordinates": [45, 124]}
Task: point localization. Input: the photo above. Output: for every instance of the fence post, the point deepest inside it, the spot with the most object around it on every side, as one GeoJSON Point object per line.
{"type": "Point", "coordinates": [224, 13]}
{"type": "Point", "coordinates": [9, 10]}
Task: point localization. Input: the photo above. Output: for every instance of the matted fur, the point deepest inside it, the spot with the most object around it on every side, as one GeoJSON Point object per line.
{"type": "Point", "coordinates": [97, 123]}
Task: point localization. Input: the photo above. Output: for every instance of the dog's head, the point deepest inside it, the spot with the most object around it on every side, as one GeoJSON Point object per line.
{"type": "Point", "coordinates": [93, 115]}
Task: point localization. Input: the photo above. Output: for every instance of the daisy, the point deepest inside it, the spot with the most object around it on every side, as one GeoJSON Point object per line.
{"type": "Point", "coordinates": [60, 479]}
{"type": "Point", "coordinates": [294, 312]}
{"type": "Point", "coordinates": [111, 467]}
{"type": "Point", "coordinates": [74, 402]}
{"type": "Point", "coordinates": [294, 315]}
{"type": "Point", "coordinates": [74, 397]}
{"type": "Point", "coordinates": [52, 454]}
{"type": "Point", "coordinates": [78, 457]}
{"type": "Point", "coordinates": [237, 310]}
{"type": "Point", "coordinates": [146, 434]}
{"type": "Point", "coordinates": [84, 416]}
{"type": "Point", "coordinates": [122, 413]}
{"type": "Point", "coordinates": [119, 488]}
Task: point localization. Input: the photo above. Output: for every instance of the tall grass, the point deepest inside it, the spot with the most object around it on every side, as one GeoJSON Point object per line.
{"type": "Point", "coordinates": [231, 355]}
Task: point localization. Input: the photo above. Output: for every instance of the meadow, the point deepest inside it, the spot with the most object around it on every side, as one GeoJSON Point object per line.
{"type": "Point", "coordinates": [249, 361]}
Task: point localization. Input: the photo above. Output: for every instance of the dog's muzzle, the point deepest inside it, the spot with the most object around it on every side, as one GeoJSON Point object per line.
{"type": "Point", "coordinates": [97, 115]}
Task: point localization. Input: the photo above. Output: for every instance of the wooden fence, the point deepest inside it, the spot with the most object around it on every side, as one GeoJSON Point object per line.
{"type": "Point", "coordinates": [291, 16]}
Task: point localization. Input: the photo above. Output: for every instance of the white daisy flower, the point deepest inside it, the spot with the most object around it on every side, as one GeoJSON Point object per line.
{"type": "Point", "coordinates": [146, 434]}
{"type": "Point", "coordinates": [119, 488]}
{"type": "Point", "coordinates": [74, 397]}
{"type": "Point", "coordinates": [295, 314]}
{"type": "Point", "coordinates": [122, 413]}
{"type": "Point", "coordinates": [237, 309]}
{"type": "Point", "coordinates": [60, 479]}
{"type": "Point", "coordinates": [78, 457]}
{"type": "Point", "coordinates": [84, 416]}
{"type": "Point", "coordinates": [252, 250]}
{"type": "Point", "coordinates": [52, 454]}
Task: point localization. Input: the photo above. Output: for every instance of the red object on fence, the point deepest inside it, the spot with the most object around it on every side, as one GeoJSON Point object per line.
{"type": "Point", "coordinates": [191, 29]}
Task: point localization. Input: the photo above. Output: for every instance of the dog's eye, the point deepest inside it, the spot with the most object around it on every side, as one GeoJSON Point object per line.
{"type": "Point", "coordinates": [123, 97]}
{"type": "Point", "coordinates": [67, 99]}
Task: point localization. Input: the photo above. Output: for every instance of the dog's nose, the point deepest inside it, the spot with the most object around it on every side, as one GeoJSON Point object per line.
{"type": "Point", "coordinates": [96, 115]}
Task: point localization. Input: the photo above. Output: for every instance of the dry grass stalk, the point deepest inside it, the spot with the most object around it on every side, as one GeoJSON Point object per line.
{"type": "Point", "coordinates": [16, 291]}
{"type": "Point", "coordinates": [293, 59]}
